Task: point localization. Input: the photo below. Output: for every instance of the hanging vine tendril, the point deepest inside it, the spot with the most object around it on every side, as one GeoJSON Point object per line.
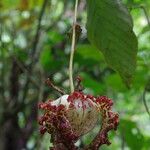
{"type": "Point", "coordinates": [73, 48]}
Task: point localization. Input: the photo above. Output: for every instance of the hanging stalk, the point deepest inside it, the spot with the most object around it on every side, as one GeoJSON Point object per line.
{"type": "Point", "coordinates": [73, 48]}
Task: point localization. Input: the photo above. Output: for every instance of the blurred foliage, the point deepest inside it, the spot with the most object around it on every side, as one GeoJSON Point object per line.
{"type": "Point", "coordinates": [34, 45]}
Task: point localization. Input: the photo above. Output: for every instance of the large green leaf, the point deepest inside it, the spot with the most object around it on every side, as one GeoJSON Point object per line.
{"type": "Point", "coordinates": [110, 29]}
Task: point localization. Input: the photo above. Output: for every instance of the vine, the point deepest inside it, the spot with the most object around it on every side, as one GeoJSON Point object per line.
{"type": "Point", "coordinates": [73, 48]}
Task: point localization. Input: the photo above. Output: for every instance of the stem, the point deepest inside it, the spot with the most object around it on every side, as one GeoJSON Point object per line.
{"type": "Point", "coordinates": [146, 15]}
{"type": "Point", "coordinates": [50, 84]}
{"type": "Point", "coordinates": [144, 10]}
{"type": "Point", "coordinates": [34, 48]}
{"type": "Point", "coordinates": [145, 103]}
{"type": "Point", "coordinates": [73, 49]}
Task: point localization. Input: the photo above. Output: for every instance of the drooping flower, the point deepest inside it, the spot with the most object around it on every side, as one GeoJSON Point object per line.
{"type": "Point", "coordinates": [71, 116]}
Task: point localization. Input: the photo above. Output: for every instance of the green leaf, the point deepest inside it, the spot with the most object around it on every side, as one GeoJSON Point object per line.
{"type": "Point", "coordinates": [110, 29]}
{"type": "Point", "coordinates": [114, 81]}
{"type": "Point", "coordinates": [132, 134]}
{"type": "Point", "coordinates": [92, 84]}
{"type": "Point", "coordinates": [88, 56]}
{"type": "Point", "coordinates": [50, 62]}
{"type": "Point", "coordinates": [89, 52]}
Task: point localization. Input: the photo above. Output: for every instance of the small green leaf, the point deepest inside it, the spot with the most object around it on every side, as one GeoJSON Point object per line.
{"type": "Point", "coordinates": [110, 29]}
{"type": "Point", "coordinates": [114, 81]}
{"type": "Point", "coordinates": [88, 56]}
{"type": "Point", "coordinates": [132, 134]}
{"type": "Point", "coordinates": [92, 84]}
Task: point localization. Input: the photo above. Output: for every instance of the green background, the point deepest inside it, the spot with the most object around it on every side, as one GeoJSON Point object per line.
{"type": "Point", "coordinates": [27, 59]}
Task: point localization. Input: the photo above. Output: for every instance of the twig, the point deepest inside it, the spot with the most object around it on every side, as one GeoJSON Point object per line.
{"type": "Point", "coordinates": [36, 39]}
{"type": "Point", "coordinates": [21, 66]}
{"type": "Point", "coordinates": [73, 48]}
{"type": "Point", "coordinates": [2, 88]}
{"type": "Point", "coordinates": [79, 87]}
{"type": "Point", "coordinates": [123, 141]}
{"type": "Point", "coordinates": [146, 15]}
{"type": "Point", "coordinates": [145, 103]}
{"type": "Point", "coordinates": [33, 52]}
{"type": "Point", "coordinates": [145, 12]}
{"type": "Point", "coordinates": [50, 84]}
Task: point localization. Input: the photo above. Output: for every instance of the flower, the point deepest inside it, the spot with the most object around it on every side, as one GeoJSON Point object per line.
{"type": "Point", "coordinates": [71, 116]}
